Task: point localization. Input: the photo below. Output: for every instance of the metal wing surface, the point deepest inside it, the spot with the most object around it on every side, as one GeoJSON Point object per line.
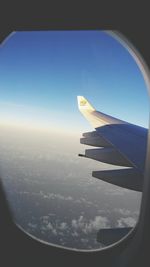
{"type": "Point", "coordinates": [118, 143]}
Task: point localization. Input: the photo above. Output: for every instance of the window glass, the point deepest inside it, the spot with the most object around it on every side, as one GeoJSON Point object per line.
{"type": "Point", "coordinates": [50, 188]}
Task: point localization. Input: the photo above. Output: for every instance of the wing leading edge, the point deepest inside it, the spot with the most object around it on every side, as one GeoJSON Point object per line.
{"type": "Point", "coordinates": [118, 143]}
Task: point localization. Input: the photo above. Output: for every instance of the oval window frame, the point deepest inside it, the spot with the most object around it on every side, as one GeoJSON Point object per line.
{"type": "Point", "coordinates": [144, 212]}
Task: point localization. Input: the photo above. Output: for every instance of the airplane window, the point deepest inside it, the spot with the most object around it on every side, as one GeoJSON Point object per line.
{"type": "Point", "coordinates": [71, 166]}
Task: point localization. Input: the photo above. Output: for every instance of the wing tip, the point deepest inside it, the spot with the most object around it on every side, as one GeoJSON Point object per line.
{"type": "Point", "coordinates": [83, 103]}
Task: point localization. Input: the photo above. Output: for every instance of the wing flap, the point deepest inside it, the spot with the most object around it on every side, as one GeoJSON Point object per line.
{"type": "Point", "coordinates": [107, 155]}
{"type": "Point", "coordinates": [112, 235]}
{"type": "Point", "coordinates": [129, 139]}
{"type": "Point", "coordinates": [129, 178]}
{"type": "Point", "coordinates": [91, 134]}
{"type": "Point", "coordinates": [97, 141]}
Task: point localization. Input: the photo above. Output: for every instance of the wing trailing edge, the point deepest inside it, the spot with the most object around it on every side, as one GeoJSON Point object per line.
{"type": "Point", "coordinates": [129, 178]}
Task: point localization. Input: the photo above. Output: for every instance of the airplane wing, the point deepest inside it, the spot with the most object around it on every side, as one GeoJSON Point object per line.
{"type": "Point", "coordinates": [118, 143]}
{"type": "Point", "coordinates": [109, 236]}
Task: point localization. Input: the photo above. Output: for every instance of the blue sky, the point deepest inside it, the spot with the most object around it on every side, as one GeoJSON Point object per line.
{"type": "Point", "coordinates": [41, 74]}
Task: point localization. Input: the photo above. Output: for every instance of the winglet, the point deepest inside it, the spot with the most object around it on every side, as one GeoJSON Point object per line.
{"type": "Point", "coordinates": [83, 104]}
{"type": "Point", "coordinates": [96, 118]}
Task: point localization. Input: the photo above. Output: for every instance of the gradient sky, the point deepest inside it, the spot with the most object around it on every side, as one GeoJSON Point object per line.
{"type": "Point", "coordinates": [41, 74]}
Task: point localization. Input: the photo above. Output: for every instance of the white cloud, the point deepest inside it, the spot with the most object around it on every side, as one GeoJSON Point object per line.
{"type": "Point", "coordinates": [78, 226]}
{"type": "Point", "coordinates": [75, 234]}
{"type": "Point", "coordinates": [54, 196]}
{"type": "Point", "coordinates": [63, 226]}
{"type": "Point", "coordinates": [67, 198]}
{"type": "Point", "coordinates": [57, 228]}
{"type": "Point", "coordinates": [49, 226]}
{"type": "Point", "coordinates": [89, 226]}
{"type": "Point", "coordinates": [127, 222]}
{"type": "Point", "coordinates": [123, 211]}
{"type": "Point", "coordinates": [115, 191]}
{"type": "Point", "coordinates": [32, 226]}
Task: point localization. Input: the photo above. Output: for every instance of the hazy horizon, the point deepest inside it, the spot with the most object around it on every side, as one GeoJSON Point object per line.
{"type": "Point", "coordinates": [52, 193]}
